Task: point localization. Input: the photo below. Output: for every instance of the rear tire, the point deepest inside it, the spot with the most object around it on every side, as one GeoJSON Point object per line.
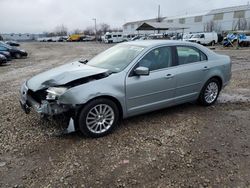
{"type": "Point", "coordinates": [98, 118]}
{"type": "Point", "coordinates": [210, 92]}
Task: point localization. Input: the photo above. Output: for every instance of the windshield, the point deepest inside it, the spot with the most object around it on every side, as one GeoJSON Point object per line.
{"type": "Point", "coordinates": [5, 45]}
{"type": "Point", "coordinates": [108, 36]}
{"type": "Point", "coordinates": [116, 58]}
{"type": "Point", "coordinates": [196, 36]}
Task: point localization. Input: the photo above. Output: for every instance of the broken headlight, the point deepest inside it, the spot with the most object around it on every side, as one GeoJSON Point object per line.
{"type": "Point", "coordinates": [54, 92]}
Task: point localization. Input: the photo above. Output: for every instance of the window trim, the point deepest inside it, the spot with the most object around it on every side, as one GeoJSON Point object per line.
{"type": "Point", "coordinates": [198, 19]}
{"type": "Point", "coordinates": [192, 47]}
{"type": "Point", "coordinates": [182, 20]}
{"type": "Point", "coordinates": [173, 63]}
{"type": "Point", "coordinates": [218, 16]}
{"type": "Point", "coordinates": [239, 14]}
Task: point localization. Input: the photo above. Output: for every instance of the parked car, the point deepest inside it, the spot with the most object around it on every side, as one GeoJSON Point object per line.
{"type": "Point", "coordinates": [62, 39]}
{"type": "Point", "coordinates": [75, 37]}
{"type": "Point", "coordinates": [12, 43]}
{"type": "Point", "coordinates": [126, 80]}
{"type": "Point", "coordinates": [15, 52]}
{"type": "Point", "coordinates": [88, 38]}
{"type": "Point", "coordinates": [6, 54]}
{"type": "Point", "coordinates": [205, 38]}
{"type": "Point", "coordinates": [128, 37]}
{"type": "Point", "coordinates": [3, 59]}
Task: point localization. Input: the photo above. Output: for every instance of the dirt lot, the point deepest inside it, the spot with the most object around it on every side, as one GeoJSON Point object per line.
{"type": "Point", "coordinates": [183, 146]}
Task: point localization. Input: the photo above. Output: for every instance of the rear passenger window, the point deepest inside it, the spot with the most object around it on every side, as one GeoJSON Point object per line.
{"type": "Point", "coordinates": [189, 55]}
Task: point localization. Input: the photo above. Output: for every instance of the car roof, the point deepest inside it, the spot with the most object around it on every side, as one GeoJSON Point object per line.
{"type": "Point", "coordinates": [152, 43]}
{"type": "Point", "coordinates": [147, 44]}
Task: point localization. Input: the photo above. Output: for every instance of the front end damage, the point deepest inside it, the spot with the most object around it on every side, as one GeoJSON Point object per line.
{"type": "Point", "coordinates": [44, 105]}
{"type": "Point", "coordinates": [40, 103]}
{"type": "Point", "coordinates": [43, 92]}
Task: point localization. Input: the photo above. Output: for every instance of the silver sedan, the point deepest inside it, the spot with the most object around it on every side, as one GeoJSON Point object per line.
{"type": "Point", "coordinates": [126, 80]}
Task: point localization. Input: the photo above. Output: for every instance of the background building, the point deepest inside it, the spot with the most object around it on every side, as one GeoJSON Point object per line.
{"type": "Point", "coordinates": [219, 20]}
{"type": "Point", "coordinates": [20, 37]}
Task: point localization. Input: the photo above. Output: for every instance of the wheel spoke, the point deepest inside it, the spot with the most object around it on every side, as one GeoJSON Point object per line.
{"type": "Point", "coordinates": [96, 110]}
{"type": "Point", "coordinates": [107, 112]}
{"type": "Point", "coordinates": [90, 122]}
{"type": "Point", "coordinates": [104, 109]}
{"type": "Point", "coordinates": [92, 113]}
{"type": "Point", "coordinates": [92, 126]}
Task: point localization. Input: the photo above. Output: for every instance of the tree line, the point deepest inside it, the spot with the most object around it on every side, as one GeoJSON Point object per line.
{"type": "Point", "coordinates": [62, 30]}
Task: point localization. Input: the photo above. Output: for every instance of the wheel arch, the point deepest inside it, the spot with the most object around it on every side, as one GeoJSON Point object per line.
{"type": "Point", "coordinates": [115, 100]}
{"type": "Point", "coordinates": [219, 79]}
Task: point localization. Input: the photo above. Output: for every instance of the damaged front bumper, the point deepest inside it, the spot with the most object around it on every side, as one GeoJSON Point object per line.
{"type": "Point", "coordinates": [48, 108]}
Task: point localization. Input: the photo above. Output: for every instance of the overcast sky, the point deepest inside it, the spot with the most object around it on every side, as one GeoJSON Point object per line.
{"type": "Point", "coordinates": [36, 16]}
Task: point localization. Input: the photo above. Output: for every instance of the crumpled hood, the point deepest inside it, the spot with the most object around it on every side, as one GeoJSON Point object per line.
{"type": "Point", "coordinates": [62, 75]}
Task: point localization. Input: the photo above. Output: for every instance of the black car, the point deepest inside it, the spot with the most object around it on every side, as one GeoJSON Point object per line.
{"type": "Point", "coordinates": [14, 52]}
{"type": "Point", "coordinates": [3, 59]}
{"type": "Point", "coordinates": [6, 54]}
{"type": "Point", "coordinates": [12, 43]}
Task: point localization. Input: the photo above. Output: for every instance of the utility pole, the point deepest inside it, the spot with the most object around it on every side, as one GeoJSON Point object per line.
{"type": "Point", "coordinates": [95, 29]}
{"type": "Point", "coordinates": [159, 13]}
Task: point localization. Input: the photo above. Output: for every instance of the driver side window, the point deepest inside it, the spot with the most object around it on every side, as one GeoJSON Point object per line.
{"type": "Point", "coordinates": [156, 59]}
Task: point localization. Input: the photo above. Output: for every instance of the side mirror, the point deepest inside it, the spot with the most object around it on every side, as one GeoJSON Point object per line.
{"type": "Point", "coordinates": [82, 60]}
{"type": "Point", "coordinates": [142, 71]}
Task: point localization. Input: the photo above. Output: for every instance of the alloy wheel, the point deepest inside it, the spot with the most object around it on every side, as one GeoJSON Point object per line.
{"type": "Point", "coordinates": [100, 118]}
{"type": "Point", "coordinates": [211, 92]}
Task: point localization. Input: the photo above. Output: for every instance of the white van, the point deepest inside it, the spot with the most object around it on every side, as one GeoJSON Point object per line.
{"type": "Point", "coordinates": [186, 36]}
{"type": "Point", "coordinates": [113, 37]}
{"type": "Point", "coordinates": [204, 38]}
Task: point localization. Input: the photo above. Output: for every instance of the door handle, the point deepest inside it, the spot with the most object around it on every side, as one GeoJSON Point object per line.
{"type": "Point", "coordinates": [169, 76]}
{"type": "Point", "coordinates": [206, 68]}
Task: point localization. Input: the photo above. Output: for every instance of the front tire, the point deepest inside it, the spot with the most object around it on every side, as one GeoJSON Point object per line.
{"type": "Point", "coordinates": [98, 118]}
{"type": "Point", "coordinates": [210, 92]}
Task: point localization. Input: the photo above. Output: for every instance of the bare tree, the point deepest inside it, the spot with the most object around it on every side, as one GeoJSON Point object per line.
{"type": "Point", "coordinates": [89, 31]}
{"type": "Point", "coordinates": [77, 31]}
{"type": "Point", "coordinates": [240, 24]}
{"type": "Point", "coordinates": [217, 27]}
{"type": "Point", "coordinates": [248, 25]}
{"type": "Point", "coordinates": [49, 34]}
{"type": "Point", "coordinates": [209, 26]}
{"type": "Point", "coordinates": [116, 29]}
{"type": "Point", "coordinates": [61, 30]}
{"type": "Point", "coordinates": [104, 28]}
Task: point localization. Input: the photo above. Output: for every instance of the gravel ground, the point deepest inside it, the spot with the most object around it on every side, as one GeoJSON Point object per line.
{"type": "Point", "coordinates": [183, 146]}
